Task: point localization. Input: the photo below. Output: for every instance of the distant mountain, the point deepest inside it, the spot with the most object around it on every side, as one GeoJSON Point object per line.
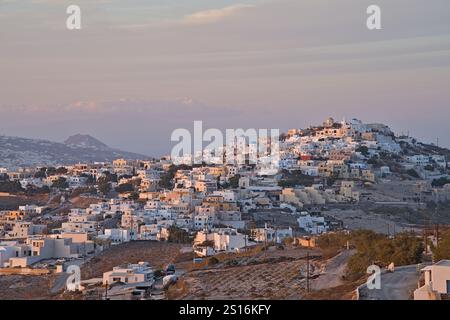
{"type": "Point", "coordinates": [85, 140]}
{"type": "Point", "coordinates": [23, 152]}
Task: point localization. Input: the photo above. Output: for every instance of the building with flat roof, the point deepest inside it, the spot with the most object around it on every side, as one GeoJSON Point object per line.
{"type": "Point", "coordinates": [437, 282]}
{"type": "Point", "coordinates": [132, 273]}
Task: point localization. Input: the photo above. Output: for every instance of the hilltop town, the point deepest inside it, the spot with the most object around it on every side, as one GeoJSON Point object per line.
{"type": "Point", "coordinates": [157, 230]}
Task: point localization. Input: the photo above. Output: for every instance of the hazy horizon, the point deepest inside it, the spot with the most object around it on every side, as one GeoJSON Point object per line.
{"type": "Point", "coordinates": [138, 70]}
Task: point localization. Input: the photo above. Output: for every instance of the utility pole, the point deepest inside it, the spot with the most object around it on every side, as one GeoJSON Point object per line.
{"type": "Point", "coordinates": [437, 234]}
{"type": "Point", "coordinates": [106, 291]}
{"type": "Point", "coordinates": [265, 243]}
{"type": "Point", "coordinates": [307, 271]}
{"type": "Point", "coordinates": [424, 231]}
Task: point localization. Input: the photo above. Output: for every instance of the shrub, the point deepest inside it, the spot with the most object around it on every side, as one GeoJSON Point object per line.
{"type": "Point", "coordinates": [373, 248]}
{"type": "Point", "coordinates": [213, 261]}
{"type": "Point", "coordinates": [442, 250]}
{"type": "Point", "coordinates": [413, 173]}
{"type": "Point", "coordinates": [10, 186]}
{"type": "Point", "coordinates": [440, 182]}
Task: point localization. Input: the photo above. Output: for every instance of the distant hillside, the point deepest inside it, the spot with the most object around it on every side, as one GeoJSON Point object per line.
{"type": "Point", "coordinates": [23, 152]}
{"type": "Point", "coordinates": [85, 140]}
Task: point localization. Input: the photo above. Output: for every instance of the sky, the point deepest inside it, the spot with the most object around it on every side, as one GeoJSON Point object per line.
{"type": "Point", "coordinates": [138, 69]}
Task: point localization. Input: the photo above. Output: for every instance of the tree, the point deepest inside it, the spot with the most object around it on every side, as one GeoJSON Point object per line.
{"type": "Point", "coordinates": [335, 240]}
{"type": "Point", "coordinates": [32, 190]}
{"type": "Point", "coordinates": [363, 149]}
{"type": "Point", "coordinates": [372, 248]}
{"type": "Point", "coordinates": [60, 183]}
{"type": "Point", "coordinates": [104, 187]}
{"type": "Point", "coordinates": [166, 181]}
{"type": "Point", "coordinates": [51, 171]}
{"type": "Point", "coordinates": [61, 170]}
{"type": "Point", "coordinates": [373, 161]}
{"type": "Point", "coordinates": [212, 261]}
{"type": "Point", "coordinates": [234, 181]}
{"type": "Point", "coordinates": [440, 182]}
{"type": "Point", "coordinates": [413, 173]}
{"type": "Point", "coordinates": [134, 196]}
{"type": "Point", "coordinates": [41, 173]}
{"type": "Point", "coordinates": [125, 187]}
{"type": "Point", "coordinates": [288, 241]}
{"type": "Point", "coordinates": [10, 186]}
{"type": "Point", "coordinates": [442, 250]}
{"type": "Point", "coordinates": [179, 235]}
{"type": "Point", "coordinates": [81, 190]}
{"type": "Point", "coordinates": [295, 178]}
{"type": "Point", "coordinates": [283, 136]}
{"type": "Point", "coordinates": [90, 178]}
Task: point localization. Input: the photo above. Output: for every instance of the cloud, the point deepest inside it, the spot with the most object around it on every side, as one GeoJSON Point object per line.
{"type": "Point", "coordinates": [86, 106]}
{"type": "Point", "coordinates": [196, 18]}
{"type": "Point", "coordinates": [214, 15]}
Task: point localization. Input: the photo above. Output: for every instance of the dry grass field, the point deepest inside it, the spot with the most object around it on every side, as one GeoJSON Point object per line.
{"type": "Point", "coordinates": [271, 274]}
{"type": "Point", "coordinates": [158, 254]}
{"type": "Point", "coordinates": [257, 274]}
{"type": "Point", "coordinates": [19, 287]}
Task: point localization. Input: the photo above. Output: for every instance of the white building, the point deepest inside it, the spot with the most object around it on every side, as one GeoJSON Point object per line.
{"type": "Point", "coordinates": [437, 282]}
{"type": "Point", "coordinates": [221, 239]}
{"type": "Point", "coordinates": [203, 221]}
{"type": "Point", "coordinates": [132, 273]}
{"type": "Point", "coordinates": [419, 160]}
{"type": "Point", "coordinates": [32, 209]}
{"type": "Point", "coordinates": [118, 235]}
{"type": "Point", "coordinates": [22, 229]}
{"type": "Point", "coordinates": [43, 248]}
{"type": "Point", "coordinates": [9, 249]}
{"type": "Point", "coordinates": [312, 224]}
{"type": "Point", "coordinates": [268, 235]}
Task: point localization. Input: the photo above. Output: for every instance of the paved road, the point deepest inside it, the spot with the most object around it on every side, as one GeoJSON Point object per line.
{"type": "Point", "coordinates": [60, 283]}
{"type": "Point", "coordinates": [333, 271]}
{"type": "Point", "coordinates": [394, 286]}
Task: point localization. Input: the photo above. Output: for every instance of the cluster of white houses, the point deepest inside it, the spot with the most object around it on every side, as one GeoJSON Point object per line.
{"type": "Point", "coordinates": [212, 202]}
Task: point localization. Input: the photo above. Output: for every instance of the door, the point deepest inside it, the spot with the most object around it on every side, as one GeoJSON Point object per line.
{"type": "Point", "coordinates": [448, 286]}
